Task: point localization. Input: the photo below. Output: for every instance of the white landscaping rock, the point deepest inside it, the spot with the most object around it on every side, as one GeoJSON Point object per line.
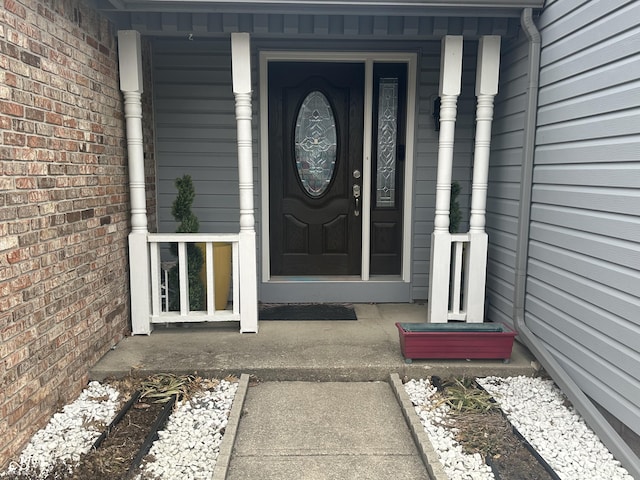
{"type": "Point", "coordinates": [69, 433]}
{"type": "Point", "coordinates": [536, 408]}
{"type": "Point", "coordinates": [189, 445]}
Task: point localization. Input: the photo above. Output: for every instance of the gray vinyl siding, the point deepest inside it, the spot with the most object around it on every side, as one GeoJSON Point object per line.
{"type": "Point", "coordinates": [503, 197]}
{"type": "Point", "coordinates": [425, 166]}
{"type": "Point", "coordinates": [196, 131]}
{"type": "Point", "coordinates": [583, 288]}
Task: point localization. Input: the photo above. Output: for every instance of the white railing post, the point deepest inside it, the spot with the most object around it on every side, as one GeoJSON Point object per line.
{"type": "Point", "coordinates": [440, 265]}
{"type": "Point", "coordinates": [241, 73]}
{"type": "Point", "coordinates": [211, 274]}
{"type": "Point", "coordinates": [487, 73]}
{"type": "Point", "coordinates": [183, 279]}
{"type": "Point", "coordinates": [457, 269]}
{"type": "Point", "coordinates": [235, 275]}
{"type": "Point", "coordinates": [130, 61]}
{"type": "Point", "coordinates": [157, 293]}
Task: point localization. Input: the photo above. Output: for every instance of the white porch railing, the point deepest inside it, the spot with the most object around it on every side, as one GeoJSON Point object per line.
{"type": "Point", "coordinates": [458, 284]}
{"type": "Point", "coordinates": [159, 281]}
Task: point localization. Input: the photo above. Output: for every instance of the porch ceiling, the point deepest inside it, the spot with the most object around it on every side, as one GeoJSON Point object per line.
{"type": "Point", "coordinates": [366, 27]}
{"type": "Point", "coordinates": [337, 17]}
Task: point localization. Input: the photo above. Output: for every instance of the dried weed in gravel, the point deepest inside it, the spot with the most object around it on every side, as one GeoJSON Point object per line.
{"type": "Point", "coordinates": [490, 434]}
{"type": "Point", "coordinates": [112, 459]}
{"type": "Point", "coordinates": [480, 427]}
{"type": "Point", "coordinates": [462, 395]}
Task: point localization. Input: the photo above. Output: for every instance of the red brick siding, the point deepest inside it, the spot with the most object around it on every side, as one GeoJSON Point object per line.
{"type": "Point", "coordinates": [64, 208]}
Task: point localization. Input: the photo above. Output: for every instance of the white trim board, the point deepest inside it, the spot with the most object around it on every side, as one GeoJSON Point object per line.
{"type": "Point", "coordinates": [368, 59]}
{"type": "Point", "coordinates": [333, 290]}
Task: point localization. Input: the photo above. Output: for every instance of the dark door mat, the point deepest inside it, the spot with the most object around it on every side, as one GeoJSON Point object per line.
{"type": "Point", "coordinates": [306, 311]}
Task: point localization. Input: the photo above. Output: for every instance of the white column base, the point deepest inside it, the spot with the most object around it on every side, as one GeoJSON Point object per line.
{"type": "Point", "coordinates": [139, 284]}
{"type": "Point", "coordinates": [249, 281]}
{"type": "Point", "coordinates": [439, 273]}
{"type": "Point", "coordinates": [476, 277]}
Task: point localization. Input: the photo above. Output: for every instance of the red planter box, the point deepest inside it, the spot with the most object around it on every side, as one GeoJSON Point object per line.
{"type": "Point", "coordinates": [455, 340]}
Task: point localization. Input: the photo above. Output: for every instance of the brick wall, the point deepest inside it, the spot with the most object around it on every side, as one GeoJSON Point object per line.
{"type": "Point", "coordinates": [64, 213]}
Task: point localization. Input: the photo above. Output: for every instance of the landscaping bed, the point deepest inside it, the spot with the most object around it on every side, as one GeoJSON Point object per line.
{"type": "Point", "coordinates": [484, 433]}
{"type": "Point", "coordinates": [470, 428]}
{"type": "Point", "coordinates": [153, 439]}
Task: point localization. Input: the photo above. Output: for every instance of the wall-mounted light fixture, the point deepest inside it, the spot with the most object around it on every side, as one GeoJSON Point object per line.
{"type": "Point", "coordinates": [436, 114]}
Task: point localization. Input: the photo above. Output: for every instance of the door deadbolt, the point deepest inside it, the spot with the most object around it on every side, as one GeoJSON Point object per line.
{"type": "Point", "coordinates": [356, 174]}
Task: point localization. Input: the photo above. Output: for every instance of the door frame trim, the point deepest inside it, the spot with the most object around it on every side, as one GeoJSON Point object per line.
{"type": "Point", "coordinates": [368, 58]}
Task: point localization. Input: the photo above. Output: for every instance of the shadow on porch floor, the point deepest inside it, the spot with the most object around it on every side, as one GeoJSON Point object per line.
{"type": "Point", "coordinates": [364, 350]}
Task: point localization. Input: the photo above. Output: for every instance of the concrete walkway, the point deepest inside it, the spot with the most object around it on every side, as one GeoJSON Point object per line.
{"type": "Point", "coordinates": [313, 431]}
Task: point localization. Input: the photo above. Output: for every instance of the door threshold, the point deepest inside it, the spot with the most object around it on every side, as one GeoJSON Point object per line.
{"type": "Point", "coordinates": [330, 289]}
{"type": "Point", "coordinates": [332, 278]}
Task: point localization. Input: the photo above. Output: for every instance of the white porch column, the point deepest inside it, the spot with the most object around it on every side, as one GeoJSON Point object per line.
{"type": "Point", "coordinates": [450, 80]}
{"type": "Point", "coordinates": [487, 72]}
{"type": "Point", "coordinates": [130, 60]}
{"type": "Point", "coordinates": [241, 72]}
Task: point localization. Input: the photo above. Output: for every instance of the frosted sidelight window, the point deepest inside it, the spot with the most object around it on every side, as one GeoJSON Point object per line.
{"type": "Point", "coordinates": [315, 143]}
{"type": "Point", "coordinates": [387, 142]}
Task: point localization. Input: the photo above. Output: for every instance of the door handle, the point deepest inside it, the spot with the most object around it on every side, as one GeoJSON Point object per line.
{"type": "Point", "coordinates": [356, 196]}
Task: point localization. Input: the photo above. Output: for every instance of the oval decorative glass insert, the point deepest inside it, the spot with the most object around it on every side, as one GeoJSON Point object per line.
{"type": "Point", "coordinates": [315, 143]}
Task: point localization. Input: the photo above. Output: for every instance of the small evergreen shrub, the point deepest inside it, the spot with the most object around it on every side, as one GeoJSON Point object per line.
{"type": "Point", "coordinates": [181, 211]}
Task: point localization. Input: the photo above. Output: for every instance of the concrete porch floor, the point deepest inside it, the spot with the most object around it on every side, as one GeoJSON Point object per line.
{"type": "Point", "coordinates": [364, 350]}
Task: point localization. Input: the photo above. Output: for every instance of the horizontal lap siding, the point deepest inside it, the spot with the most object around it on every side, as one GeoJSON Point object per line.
{"type": "Point", "coordinates": [583, 292]}
{"type": "Point", "coordinates": [196, 131]}
{"type": "Point", "coordinates": [426, 154]}
{"type": "Point", "coordinates": [504, 179]}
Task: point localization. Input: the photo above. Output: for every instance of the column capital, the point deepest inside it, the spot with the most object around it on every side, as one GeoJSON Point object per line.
{"type": "Point", "coordinates": [488, 67]}
{"type": "Point", "coordinates": [130, 61]}
{"type": "Point", "coordinates": [450, 65]}
{"type": "Point", "coordinates": [241, 63]}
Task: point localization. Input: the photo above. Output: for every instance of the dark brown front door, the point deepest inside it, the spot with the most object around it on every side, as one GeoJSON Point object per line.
{"type": "Point", "coordinates": [315, 165]}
